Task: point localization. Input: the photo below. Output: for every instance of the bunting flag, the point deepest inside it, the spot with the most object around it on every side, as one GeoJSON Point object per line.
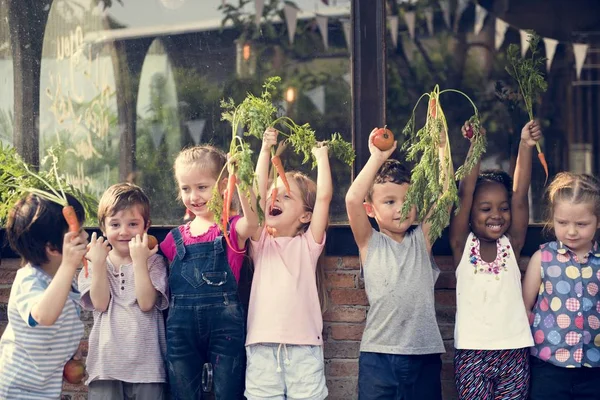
{"type": "Point", "coordinates": [410, 17]}
{"type": "Point", "coordinates": [291, 19]}
{"type": "Point", "coordinates": [156, 132]}
{"type": "Point", "coordinates": [429, 18]}
{"type": "Point", "coordinates": [393, 27]}
{"type": "Point", "coordinates": [524, 42]}
{"type": "Point", "coordinates": [501, 28]}
{"type": "Point", "coordinates": [580, 51]}
{"type": "Point", "coordinates": [281, 108]}
{"type": "Point", "coordinates": [317, 97]}
{"type": "Point", "coordinates": [445, 6]}
{"type": "Point", "coordinates": [196, 128]}
{"type": "Point", "coordinates": [480, 14]}
{"type": "Point", "coordinates": [259, 6]}
{"type": "Point", "coordinates": [550, 45]}
{"type": "Point", "coordinates": [322, 21]}
{"type": "Point", "coordinates": [346, 26]}
{"type": "Point", "coordinates": [460, 9]}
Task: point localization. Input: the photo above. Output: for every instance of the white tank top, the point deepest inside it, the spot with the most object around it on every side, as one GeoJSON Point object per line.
{"type": "Point", "coordinates": [490, 314]}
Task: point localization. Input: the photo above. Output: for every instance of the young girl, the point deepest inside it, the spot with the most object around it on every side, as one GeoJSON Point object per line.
{"type": "Point", "coordinates": [206, 322]}
{"type": "Point", "coordinates": [561, 286]}
{"type": "Point", "coordinates": [284, 342]}
{"type": "Point", "coordinates": [44, 328]}
{"type": "Point", "coordinates": [491, 332]}
{"type": "Point", "coordinates": [127, 290]}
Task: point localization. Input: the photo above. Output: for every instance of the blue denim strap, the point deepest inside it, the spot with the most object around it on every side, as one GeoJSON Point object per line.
{"type": "Point", "coordinates": [178, 242]}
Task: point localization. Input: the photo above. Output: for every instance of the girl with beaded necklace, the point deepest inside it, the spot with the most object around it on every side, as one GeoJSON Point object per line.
{"type": "Point", "coordinates": [491, 334]}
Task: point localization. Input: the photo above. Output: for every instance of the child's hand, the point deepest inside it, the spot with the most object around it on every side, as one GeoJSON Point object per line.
{"type": "Point", "coordinates": [531, 133]}
{"type": "Point", "coordinates": [320, 150]}
{"type": "Point", "coordinates": [139, 251]}
{"type": "Point", "coordinates": [74, 248]}
{"type": "Point", "coordinates": [98, 249]}
{"type": "Point", "coordinates": [468, 133]}
{"type": "Point", "coordinates": [269, 139]}
{"type": "Point", "coordinates": [375, 152]}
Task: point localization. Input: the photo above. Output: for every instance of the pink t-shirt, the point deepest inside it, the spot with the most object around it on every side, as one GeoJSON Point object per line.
{"type": "Point", "coordinates": [284, 301]}
{"type": "Point", "coordinates": [235, 258]}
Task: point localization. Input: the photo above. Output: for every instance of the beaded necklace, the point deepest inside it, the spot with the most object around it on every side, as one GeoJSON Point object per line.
{"type": "Point", "coordinates": [496, 266]}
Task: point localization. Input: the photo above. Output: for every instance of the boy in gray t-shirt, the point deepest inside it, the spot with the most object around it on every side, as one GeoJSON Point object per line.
{"type": "Point", "coordinates": [401, 344]}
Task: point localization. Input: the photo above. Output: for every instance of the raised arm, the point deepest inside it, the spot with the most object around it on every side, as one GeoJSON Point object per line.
{"type": "Point", "coordinates": [145, 292]}
{"type": "Point", "coordinates": [355, 198]}
{"type": "Point", "coordinates": [99, 289]}
{"type": "Point", "coordinates": [247, 225]}
{"type": "Point", "coordinates": [320, 215]}
{"type": "Point", "coordinates": [532, 281]}
{"type": "Point", "coordinates": [459, 222]}
{"type": "Point", "coordinates": [262, 173]}
{"type": "Point", "coordinates": [530, 135]}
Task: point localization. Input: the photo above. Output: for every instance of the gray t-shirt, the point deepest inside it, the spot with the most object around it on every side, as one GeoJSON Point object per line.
{"type": "Point", "coordinates": [399, 281]}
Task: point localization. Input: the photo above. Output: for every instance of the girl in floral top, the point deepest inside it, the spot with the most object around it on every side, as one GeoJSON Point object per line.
{"type": "Point", "coordinates": [561, 286]}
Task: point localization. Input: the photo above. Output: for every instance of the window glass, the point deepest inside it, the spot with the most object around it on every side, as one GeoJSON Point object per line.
{"type": "Point", "coordinates": [6, 79]}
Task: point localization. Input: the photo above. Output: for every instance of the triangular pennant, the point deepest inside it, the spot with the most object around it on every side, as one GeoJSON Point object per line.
{"type": "Point", "coordinates": [445, 6]}
{"type": "Point", "coordinates": [393, 26]}
{"type": "Point", "coordinates": [480, 14]}
{"type": "Point", "coordinates": [322, 21]}
{"type": "Point", "coordinates": [461, 6]}
{"type": "Point", "coordinates": [550, 45]}
{"type": "Point", "coordinates": [580, 51]}
{"type": "Point", "coordinates": [524, 41]}
{"type": "Point", "coordinates": [157, 132]}
{"type": "Point", "coordinates": [348, 78]}
{"type": "Point", "coordinates": [291, 19]}
{"type": "Point", "coordinates": [429, 17]}
{"type": "Point", "coordinates": [501, 28]}
{"type": "Point", "coordinates": [410, 18]}
{"type": "Point", "coordinates": [346, 27]}
{"type": "Point", "coordinates": [317, 97]}
{"type": "Point", "coordinates": [259, 6]}
{"type": "Point", "coordinates": [281, 108]}
{"type": "Point", "coordinates": [196, 128]}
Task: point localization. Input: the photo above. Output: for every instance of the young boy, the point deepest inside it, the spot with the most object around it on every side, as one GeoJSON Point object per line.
{"type": "Point", "coordinates": [127, 289]}
{"type": "Point", "coordinates": [401, 344]}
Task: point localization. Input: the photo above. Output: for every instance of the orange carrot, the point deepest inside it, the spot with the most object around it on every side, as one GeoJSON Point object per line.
{"type": "Point", "coordinates": [226, 208]}
{"type": "Point", "coordinates": [73, 223]}
{"type": "Point", "coordinates": [432, 107]}
{"type": "Point", "coordinates": [281, 172]}
{"type": "Point", "coordinates": [542, 158]}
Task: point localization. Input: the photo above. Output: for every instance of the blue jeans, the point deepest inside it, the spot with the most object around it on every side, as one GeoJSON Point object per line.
{"type": "Point", "coordinates": [206, 323]}
{"type": "Point", "coordinates": [399, 377]}
{"type": "Point", "coordinates": [549, 381]}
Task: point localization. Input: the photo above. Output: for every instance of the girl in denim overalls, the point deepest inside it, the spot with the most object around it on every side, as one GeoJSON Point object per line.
{"type": "Point", "coordinates": [285, 324]}
{"type": "Point", "coordinates": [561, 293]}
{"type": "Point", "coordinates": [206, 322]}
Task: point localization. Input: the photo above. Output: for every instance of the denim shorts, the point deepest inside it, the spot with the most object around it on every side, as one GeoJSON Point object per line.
{"type": "Point", "coordinates": [280, 371]}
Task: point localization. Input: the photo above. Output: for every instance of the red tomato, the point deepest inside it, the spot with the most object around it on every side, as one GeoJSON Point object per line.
{"type": "Point", "coordinates": [383, 139]}
{"type": "Point", "coordinates": [469, 132]}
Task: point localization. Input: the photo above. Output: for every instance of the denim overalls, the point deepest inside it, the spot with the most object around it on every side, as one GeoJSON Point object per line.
{"type": "Point", "coordinates": [206, 322]}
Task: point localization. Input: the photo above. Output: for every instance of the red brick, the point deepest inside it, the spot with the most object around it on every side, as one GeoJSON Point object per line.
{"type": "Point", "coordinates": [7, 276]}
{"type": "Point", "coordinates": [445, 315]}
{"type": "Point", "coordinates": [338, 263]}
{"type": "Point", "coordinates": [446, 280]}
{"type": "Point", "coordinates": [447, 331]}
{"type": "Point", "coordinates": [68, 387]}
{"type": "Point", "coordinates": [4, 294]}
{"type": "Point", "coordinates": [448, 371]}
{"type": "Point", "coordinates": [445, 263]}
{"type": "Point", "coordinates": [342, 389]}
{"type": "Point", "coordinates": [345, 314]}
{"type": "Point", "coordinates": [445, 298]}
{"type": "Point", "coordinates": [340, 280]}
{"type": "Point", "coordinates": [341, 368]}
{"type": "Point", "coordinates": [11, 264]}
{"type": "Point", "coordinates": [449, 390]}
{"type": "Point", "coordinates": [349, 296]}
{"type": "Point", "coordinates": [339, 350]}
{"type": "Point", "coordinates": [346, 331]}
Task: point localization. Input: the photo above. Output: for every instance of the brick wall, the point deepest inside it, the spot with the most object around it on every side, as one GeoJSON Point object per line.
{"type": "Point", "coordinates": [344, 323]}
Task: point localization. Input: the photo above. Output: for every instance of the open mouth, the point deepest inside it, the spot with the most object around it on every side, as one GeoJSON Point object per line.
{"type": "Point", "coordinates": [494, 227]}
{"type": "Point", "coordinates": [275, 211]}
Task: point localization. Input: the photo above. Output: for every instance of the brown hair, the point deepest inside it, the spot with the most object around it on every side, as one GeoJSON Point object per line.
{"type": "Point", "coordinates": [205, 157]}
{"type": "Point", "coordinates": [391, 171]}
{"type": "Point", "coordinates": [34, 223]}
{"type": "Point", "coordinates": [122, 196]}
{"type": "Point", "coordinates": [574, 188]}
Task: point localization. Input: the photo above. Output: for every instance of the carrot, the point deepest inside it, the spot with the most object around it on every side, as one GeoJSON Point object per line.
{"type": "Point", "coordinates": [226, 208]}
{"type": "Point", "coordinates": [276, 160]}
{"type": "Point", "coordinates": [73, 223]}
{"type": "Point", "coordinates": [432, 107]}
{"type": "Point", "coordinates": [543, 161]}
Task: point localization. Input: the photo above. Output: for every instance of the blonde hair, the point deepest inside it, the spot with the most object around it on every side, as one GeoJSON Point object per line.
{"type": "Point", "coordinates": [205, 157]}
{"type": "Point", "coordinates": [122, 196]}
{"type": "Point", "coordinates": [573, 188]}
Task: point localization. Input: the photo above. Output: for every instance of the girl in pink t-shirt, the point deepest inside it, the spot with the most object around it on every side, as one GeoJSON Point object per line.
{"type": "Point", "coordinates": [206, 323]}
{"type": "Point", "coordinates": [284, 343]}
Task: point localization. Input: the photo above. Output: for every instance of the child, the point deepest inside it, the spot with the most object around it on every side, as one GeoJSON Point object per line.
{"type": "Point", "coordinates": [285, 344]}
{"type": "Point", "coordinates": [126, 289]}
{"type": "Point", "coordinates": [561, 286]}
{"type": "Point", "coordinates": [206, 323]}
{"type": "Point", "coordinates": [401, 344]}
{"type": "Point", "coordinates": [491, 333]}
{"type": "Point", "coordinates": [44, 328]}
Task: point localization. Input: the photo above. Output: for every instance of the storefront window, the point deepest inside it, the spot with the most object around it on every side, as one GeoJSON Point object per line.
{"type": "Point", "coordinates": [6, 80]}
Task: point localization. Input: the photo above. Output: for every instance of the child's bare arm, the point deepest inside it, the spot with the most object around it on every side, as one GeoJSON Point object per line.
{"type": "Point", "coordinates": [459, 222]}
{"type": "Point", "coordinates": [247, 225]}
{"type": "Point", "coordinates": [262, 173]}
{"type": "Point", "coordinates": [530, 135]}
{"type": "Point", "coordinates": [532, 281]}
{"type": "Point", "coordinates": [145, 292]}
{"type": "Point", "coordinates": [355, 198]}
{"type": "Point", "coordinates": [99, 288]}
{"type": "Point", "coordinates": [320, 215]}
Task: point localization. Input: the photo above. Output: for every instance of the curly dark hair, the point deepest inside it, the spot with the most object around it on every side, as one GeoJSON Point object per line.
{"type": "Point", "coordinates": [391, 171]}
{"type": "Point", "coordinates": [494, 176]}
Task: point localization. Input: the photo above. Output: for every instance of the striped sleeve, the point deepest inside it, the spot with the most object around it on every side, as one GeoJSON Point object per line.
{"type": "Point", "coordinates": [29, 292]}
{"type": "Point", "coordinates": [158, 276]}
